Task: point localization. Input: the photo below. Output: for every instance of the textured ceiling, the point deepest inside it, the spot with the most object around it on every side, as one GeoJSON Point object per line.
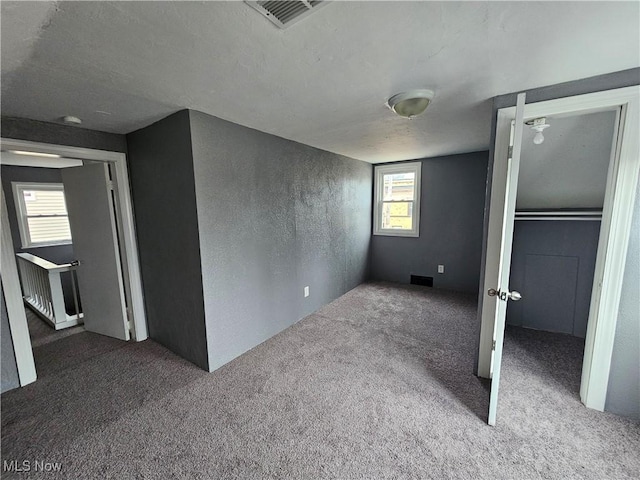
{"type": "Point", "coordinates": [569, 169]}
{"type": "Point", "coordinates": [323, 81]}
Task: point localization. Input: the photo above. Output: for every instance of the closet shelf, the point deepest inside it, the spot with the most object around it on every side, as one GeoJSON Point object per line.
{"type": "Point", "coordinates": [564, 215]}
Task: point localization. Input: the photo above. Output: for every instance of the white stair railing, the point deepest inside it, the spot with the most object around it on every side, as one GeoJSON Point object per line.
{"type": "Point", "coordinates": [42, 289]}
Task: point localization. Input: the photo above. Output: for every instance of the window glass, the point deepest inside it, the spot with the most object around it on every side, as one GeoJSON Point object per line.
{"type": "Point", "coordinates": [44, 202]}
{"type": "Point", "coordinates": [397, 206]}
{"type": "Point", "coordinates": [399, 186]}
{"type": "Point", "coordinates": [397, 215]}
{"type": "Point", "coordinates": [42, 214]}
{"type": "Point", "coordinates": [49, 229]}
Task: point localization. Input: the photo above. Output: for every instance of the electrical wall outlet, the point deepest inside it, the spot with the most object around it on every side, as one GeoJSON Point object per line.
{"type": "Point", "coordinates": [440, 268]}
{"type": "Point", "coordinates": [306, 291]}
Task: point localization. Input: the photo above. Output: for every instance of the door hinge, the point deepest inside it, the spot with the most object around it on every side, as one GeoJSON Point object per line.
{"type": "Point", "coordinates": [110, 184]}
{"type": "Point", "coordinates": [129, 324]}
{"type": "Point", "coordinates": [493, 346]}
{"type": "Point", "coordinates": [510, 151]}
{"type": "Point", "coordinates": [497, 293]}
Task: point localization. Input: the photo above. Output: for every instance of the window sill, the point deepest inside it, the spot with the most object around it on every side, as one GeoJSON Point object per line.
{"type": "Point", "coordinates": [40, 245]}
{"type": "Point", "coordinates": [397, 234]}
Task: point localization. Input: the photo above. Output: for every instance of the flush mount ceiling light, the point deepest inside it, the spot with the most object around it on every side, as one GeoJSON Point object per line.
{"type": "Point", "coordinates": [412, 103]}
{"type": "Point", "coordinates": [538, 125]}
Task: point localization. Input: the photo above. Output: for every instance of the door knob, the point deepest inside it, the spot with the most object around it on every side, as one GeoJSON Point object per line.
{"type": "Point", "coordinates": [515, 296]}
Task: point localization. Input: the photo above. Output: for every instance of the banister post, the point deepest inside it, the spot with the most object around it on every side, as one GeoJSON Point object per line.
{"type": "Point", "coordinates": [57, 297]}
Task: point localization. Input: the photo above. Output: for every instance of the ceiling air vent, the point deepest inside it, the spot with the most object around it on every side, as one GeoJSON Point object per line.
{"type": "Point", "coordinates": [286, 12]}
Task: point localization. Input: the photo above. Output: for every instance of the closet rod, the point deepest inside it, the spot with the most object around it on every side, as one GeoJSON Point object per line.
{"type": "Point", "coordinates": [560, 218]}
{"type": "Point", "coordinates": [583, 215]}
{"type": "Point", "coordinates": [554, 213]}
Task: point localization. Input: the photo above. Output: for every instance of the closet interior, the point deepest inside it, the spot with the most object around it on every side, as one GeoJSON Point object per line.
{"type": "Point", "coordinates": [561, 192]}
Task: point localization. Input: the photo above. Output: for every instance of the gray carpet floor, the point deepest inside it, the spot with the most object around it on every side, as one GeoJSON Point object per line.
{"type": "Point", "coordinates": [42, 333]}
{"type": "Point", "coordinates": [378, 384]}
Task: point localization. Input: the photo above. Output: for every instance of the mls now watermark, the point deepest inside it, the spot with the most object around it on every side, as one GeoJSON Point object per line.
{"type": "Point", "coordinates": [30, 466]}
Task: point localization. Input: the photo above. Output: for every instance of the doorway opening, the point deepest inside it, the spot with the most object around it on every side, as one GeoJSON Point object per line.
{"type": "Point", "coordinates": [96, 189]}
{"type": "Point", "coordinates": [559, 202]}
{"type": "Point", "coordinates": [613, 240]}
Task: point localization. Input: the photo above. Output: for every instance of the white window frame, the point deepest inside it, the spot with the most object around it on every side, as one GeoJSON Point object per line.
{"type": "Point", "coordinates": [21, 210]}
{"type": "Point", "coordinates": [380, 172]}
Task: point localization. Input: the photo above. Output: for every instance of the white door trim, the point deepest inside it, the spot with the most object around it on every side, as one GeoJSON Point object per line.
{"type": "Point", "coordinates": [15, 308]}
{"type": "Point", "coordinates": [125, 213]}
{"type": "Point", "coordinates": [506, 246]}
{"type": "Point", "coordinates": [615, 229]}
{"type": "Point", "coordinates": [494, 238]}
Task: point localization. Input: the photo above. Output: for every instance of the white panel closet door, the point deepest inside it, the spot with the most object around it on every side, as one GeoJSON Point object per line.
{"type": "Point", "coordinates": [501, 293]}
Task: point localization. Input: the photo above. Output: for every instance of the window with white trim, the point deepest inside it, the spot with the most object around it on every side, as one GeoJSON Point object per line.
{"type": "Point", "coordinates": [397, 200]}
{"type": "Point", "coordinates": [42, 214]}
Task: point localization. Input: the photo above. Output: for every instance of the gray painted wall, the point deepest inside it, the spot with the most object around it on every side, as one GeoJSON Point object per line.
{"type": "Point", "coordinates": [9, 379]}
{"type": "Point", "coordinates": [552, 265]}
{"type": "Point", "coordinates": [623, 395]}
{"type": "Point", "coordinates": [618, 392]}
{"type": "Point", "coordinates": [57, 134]}
{"type": "Point", "coordinates": [164, 198]}
{"type": "Point", "coordinates": [451, 209]}
{"type": "Point", "coordinates": [608, 81]}
{"type": "Point", "coordinates": [274, 216]}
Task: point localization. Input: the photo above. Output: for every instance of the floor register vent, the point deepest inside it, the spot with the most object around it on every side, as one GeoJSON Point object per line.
{"type": "Point", "coordinates": [284, 13]}
{"type": "Point", "coordinates": [420, 280]}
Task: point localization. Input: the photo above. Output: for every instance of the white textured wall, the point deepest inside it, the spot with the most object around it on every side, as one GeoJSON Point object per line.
{"type": "Point", "coordinates": [569, 169]}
